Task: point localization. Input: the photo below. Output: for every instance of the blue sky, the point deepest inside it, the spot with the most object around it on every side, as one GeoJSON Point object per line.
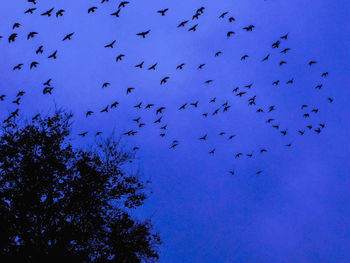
{"type": "Point", "coordinates": [297, 208]}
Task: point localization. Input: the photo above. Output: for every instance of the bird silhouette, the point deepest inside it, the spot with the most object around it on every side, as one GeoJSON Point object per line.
{"type": "Point", "coordinates": [106, 84]}
{"type": "Point", "coordinates": [39, 50]}
{"type": "Point", "coordinates": [31, 35]}
{"type": "Point", "coordinates": [143, 34]}
{"type": "Point", "coordinates": [68, 36]}
{"type": "Point", "coordinates": [111, 45]}
{"type": "Point", "coordinates": [53, 55]}
{"type": "Point", "coordinates": [92, 9]}
{"type": "Point", "coordinates": [60, 12]}
{"type": "Point", "coordinates": [116, 13]}
{"type": "Point", "coordinates": [312, 63]}
{"type": "Point", "coordinates": [140, 65]}
{"type": "Point", "coordinates": [153, 67]}
{"type": "Point", "coordinates": [16, 25]}
{"type": "Point", "coordinates": [34, 64]}
{"type": "Point", "coordinates": [194, 28]}
{"type": "Point", "coordinates": [123, 3]}
{"type": "Point", "coordinates": [164, 80]}
{"type": "Point", "coordinates": [47, 13]}
{"type": "Point", "coordinates": [266, 58]}
{"type": "Point", "coordinates": [223, 15]}
{"type": "Point", "coordinates": [120, 57]}
{"type": "Point", "coordinates": [183, 23]}
{"type": "Point", "coordinates": [30, 11]}
{"type": "Point", "coordinates": [249, 28]}
{"type": "Point", "coordinates": [162, 12]}
{"type": "Point", "coordinates": [129, 90]}
{"type": "Point", "coordinates": [12, 37]}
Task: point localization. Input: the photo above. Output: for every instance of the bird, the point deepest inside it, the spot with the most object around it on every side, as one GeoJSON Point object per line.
{"type": "Point", "coordinates": [183, 107]}
{"type": "Point", "coordinates": [164, 80]}
{"type": "Point", "coordinates": [203, 138]}
{"type": "Point", "coordinates": [47, 13]}
{"type": "Point", "coordinates": [20, 93]}
{"type": "Point", "coordinates": [312, 63]}
{"type": "Point", "coordinates": [275, 83]}
{"type": "Point", "coordinates": [244, 57]}
{"type": "Point", "coordinates": [194, 104]}
{"type": "Point", "coordinates": [238, 155]}
{"type": "Point", "coordinates": [68, 36]}
{"type": "Point", "coordinates": [106, 84]}
{"type": "Point", "coordinates": [105, 109]}
{"type": "Point", "coordinates": [19, 66]}
{"type": "Point", "coordinates": [201, 66]}
{"type": "Point", "coordinates": [229, 33]}
{"type": "Point", "coordinates": [111, 45]}
{"type": "Point", "coordinates": [319, 86]}
{"type": "Point", "coordinates": [284, 51]}
{"type": "Point", "coordinates": [266, 58]}
{"type": "Point", "coordinates": [195, 16]}
{"type": "Point", "coordinates": [123, 3]}
{"type": "Point", "coordinates": [60, 12]}
{"type": "Point", "coordinates": [129, 90]}
{"type": "Point", "coordinates": [325, 74]}
{"type": "Point", "coordinates": [223, 15]}
{"type": "Point", "coordinates": [231, 19]}
{"type": "Point", "coordinates": [148, 106]}
{"type": "Point", "coordinates": [116, 14]}
{"type": "Point", "coordinates": [160, 110]}
{"type": "Point", "coordinates": [276, 44]}
{"type": "Point", "coordinates": [47, 90]}
{"type": "Point", "coordinates": [183, 23]}
{"type": "Point", "coordinates": [140, 65]}
{"type": "Point", "coordinates": [194, 28]}
{"type": "Point", "coordinates": [53, 55]}
{"type": "Point", "coordinates": [330, 100]}
{"type": "Point", "coordinates": [31, 35]}
{"type": "Point", "coordinates": [120, 57]}
{"type": "Point", "coordinates": [162, 12]}
{"type": "Point", "coordinates": [212, 151]}
{"type": "Point", "coordinates": [30, 11]}
{"type": "Point", "coordinates": [284, 37]}
{"type": "Point", "coordinates": [180, 66]}
{"type": "Point", "coordinates": [143, 34]}
{"type": "Point", "coordinates": [249, 28]}
{"type": "Point", "coordinates": [153, 67]}
{"type": "Point", "coordinates": [12, 37]}
{"type": "Point", "coordinates": [158, 120]}
{"type": "Point", "coordinates": [282, 63]}
{"type": "Point", "coordinates": [218, 53]}
{"type": "Point", "coordinates": [2, 97]}
{"type": "Point", "coordinates": [34, 64]}
{"type": "Point", "coordinates": [88, 113]}
{"type": "Point", "coordinates": [290, 81]}
{"type": "Point", "coordinates": [16, 25]}
{"type": "Point", "coordinates": [39, 50]}
{"type": "Point", "coordinates": [92, 9]}
{"type": "Point", "coordinates": [83, 134]}
{"type": "Point", "coordinates": [47, 83]}
{"type": "Point", "coordinates": [114, 104]}
{"type": "Point", "coordinates": [138, 105]}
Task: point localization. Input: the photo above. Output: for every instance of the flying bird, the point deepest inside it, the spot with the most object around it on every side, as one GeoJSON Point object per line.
{"type": "Point", "coordinates": [143, 34]}
{"type": "Point", "coordinates": [162, 12]}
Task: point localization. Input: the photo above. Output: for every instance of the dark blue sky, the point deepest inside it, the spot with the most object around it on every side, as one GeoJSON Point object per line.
{"type": "Point", "coordinates": [297, 209]}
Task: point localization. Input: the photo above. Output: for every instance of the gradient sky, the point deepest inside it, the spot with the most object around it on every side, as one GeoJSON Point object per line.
{"type": "Point", "coordinates": [297, 209]}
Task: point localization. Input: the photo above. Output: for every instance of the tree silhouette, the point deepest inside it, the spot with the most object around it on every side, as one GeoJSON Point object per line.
{"type": "Point", "coordinates": [62, 203]}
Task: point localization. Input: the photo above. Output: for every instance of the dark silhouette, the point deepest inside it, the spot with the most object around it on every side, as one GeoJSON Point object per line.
{"type": "Point", "coordinates": [62, 203]}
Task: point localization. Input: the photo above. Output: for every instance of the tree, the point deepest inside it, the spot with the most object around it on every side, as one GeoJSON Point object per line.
{"type": "Point", "coordinates": [62, 203]}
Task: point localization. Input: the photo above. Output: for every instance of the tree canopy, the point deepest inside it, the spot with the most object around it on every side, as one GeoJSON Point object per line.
{"type": "Point", "coordinates": [62, 202]}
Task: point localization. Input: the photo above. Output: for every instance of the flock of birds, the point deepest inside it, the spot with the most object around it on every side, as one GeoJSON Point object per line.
{"type": "Point", "coordinates": [240, 92]}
